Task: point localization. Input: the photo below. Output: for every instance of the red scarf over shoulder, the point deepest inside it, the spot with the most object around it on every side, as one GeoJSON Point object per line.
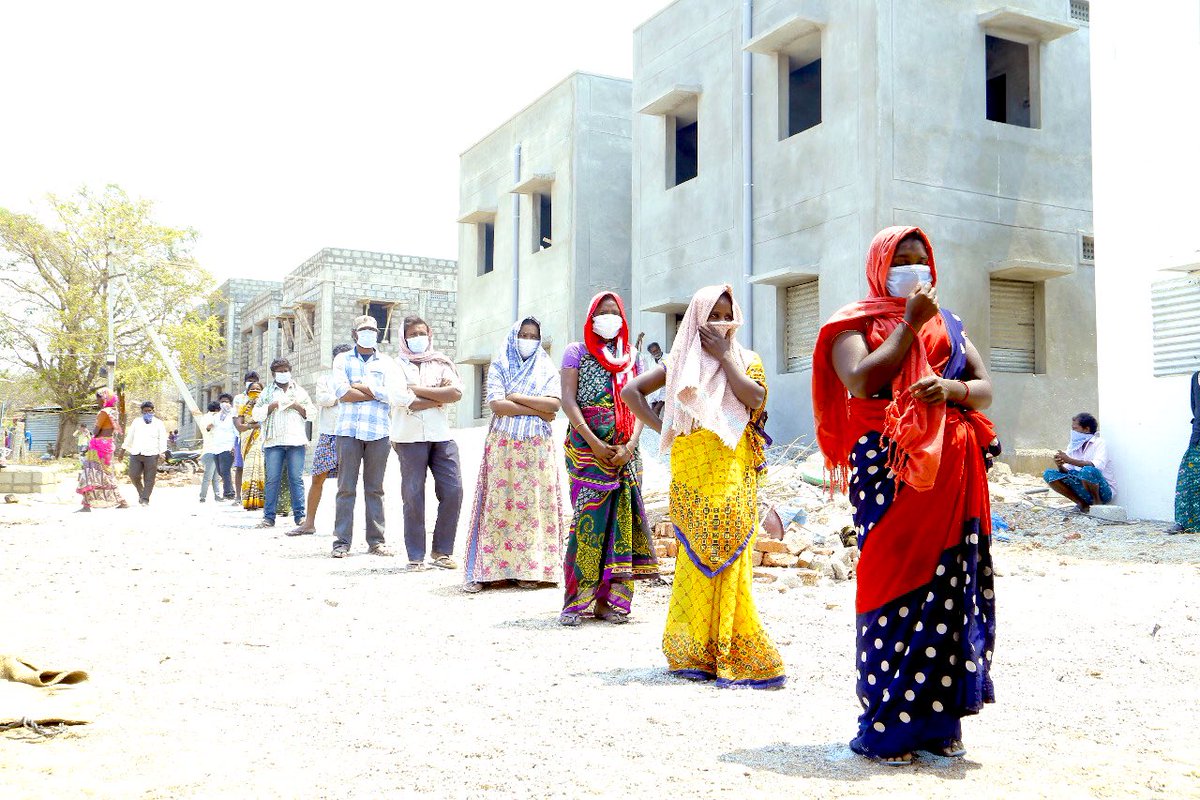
{"type": "Point", "coordinates": [914, 428]}
{"type": "Point", "coordinates": [620, 364]}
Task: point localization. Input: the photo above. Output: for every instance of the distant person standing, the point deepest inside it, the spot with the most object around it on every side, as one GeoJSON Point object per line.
{"type": "Point", "coordinates": [98, 479]}
{"type": "Point", "coordinates": [218, 448]}
{"type": "Point", "coordinates": [325, 455]}
{"type": "Point", "coordinates": [367, 385]}
{"type": "Point", "coordinates": [282, 410]}
{"type": "Point", "coordinates": [28, 440]}
{"type": "Point", "coordinates": [422, 441]}
{"type": "Point", "coordinates": [172, 440]}
{"type": "Point", "coordinates": [239, 459]}
{"type": "Point", "coordinates": [82, 437]}
{"type": "Point", "coordinates": [1187, 483]}
{"type": "Point", "coordinates": [145, 441]}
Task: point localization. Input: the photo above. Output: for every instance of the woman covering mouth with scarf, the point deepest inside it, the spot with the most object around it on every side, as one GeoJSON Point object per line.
{"type": "Point", "coordinates": [715, 406]}
{"type": "Point", "coordinates": [897, 387]}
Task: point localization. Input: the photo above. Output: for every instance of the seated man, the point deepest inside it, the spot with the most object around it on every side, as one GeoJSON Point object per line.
{"type": "Point", "coordinates": [1084, 473]}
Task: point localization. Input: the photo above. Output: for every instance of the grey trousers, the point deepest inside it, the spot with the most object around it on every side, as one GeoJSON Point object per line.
{"type": "Point", "coordinates": [370, 458]}
{"type": "Point", "coordinates": [416, 459]}
{"type": "Point", "coordinates": [143, 470]}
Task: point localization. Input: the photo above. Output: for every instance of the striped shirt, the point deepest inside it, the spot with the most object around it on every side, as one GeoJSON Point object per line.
{"type": "Point", "coordinates": [369, 420]}
{"type": "Point", "coordinates": [525, 426]}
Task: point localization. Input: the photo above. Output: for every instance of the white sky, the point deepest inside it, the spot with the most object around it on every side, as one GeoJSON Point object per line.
{"type": "Point", "coordinates": [276, 129]}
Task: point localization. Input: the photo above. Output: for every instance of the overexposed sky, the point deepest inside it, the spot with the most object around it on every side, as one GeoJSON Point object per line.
{"type": "Point", "coordinates": [276, 128]}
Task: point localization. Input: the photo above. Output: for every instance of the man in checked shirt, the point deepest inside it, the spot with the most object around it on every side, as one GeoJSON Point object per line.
{"type": "Point", "coordinates": [368, 384]}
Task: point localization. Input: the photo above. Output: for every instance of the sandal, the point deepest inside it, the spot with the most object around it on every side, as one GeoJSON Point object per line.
{"type": "Point", "coordinates": [444, 562]}
{"type": "Point", "coordinates": [570, 620]}
{"type": "Point", "coordinates": [339, 552]}
{"type": "Point", "coordinates": [265, 524]}
{"type": "Point", "coordinates": [299, 532]}
{"type": "Point", "coordinates": [415, 566]}
{"type": "Point", "coordinates": [902, 760]}
{"type": "Point", "coordinates": [528, 585]}
{"type": "Point", "coordinates": [953, 748]}
{"type": "Point", "coordinates": [614, 617]}
{"type": "Point", "coordinates": [474, 587]}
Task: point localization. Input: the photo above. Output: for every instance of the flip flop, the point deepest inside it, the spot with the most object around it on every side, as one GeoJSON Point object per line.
{"type": "Point", "coordinates": [299, 532]}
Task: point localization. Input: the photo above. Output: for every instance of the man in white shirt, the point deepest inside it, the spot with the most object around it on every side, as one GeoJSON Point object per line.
{"type": "Point", "coordinates": [145, 441]}
{"type": "Point", "coordinates": [281, 410]}
{"type": "Point", "coordinates": [325, 455]}
{"type": "Point", "coordinates": [422, 441]}
{"type": "Point", "coordinates": [219, 439]}
{"type": "Point", "coordinates": [1084, 472]}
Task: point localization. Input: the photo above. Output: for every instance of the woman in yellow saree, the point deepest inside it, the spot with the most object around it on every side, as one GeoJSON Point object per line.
{"type": "Point", "coordinates": [712, 423]}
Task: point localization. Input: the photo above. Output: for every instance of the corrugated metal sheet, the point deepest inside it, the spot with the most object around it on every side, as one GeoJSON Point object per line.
{"type": "Point", "coordinates": [802, 324]}
{"type": "Point", "coordinates": [1175, 308]}
{"type": "Point", "coordinates": [1014, 331]}
{"type": "Point", "coordinates": [43, 424]}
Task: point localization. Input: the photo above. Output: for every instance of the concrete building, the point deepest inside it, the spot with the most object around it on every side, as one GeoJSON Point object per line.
{"type": "Point", "coordinates": [545, 212]}
{"type": "Point", "coordinates": [303, 316]}
{"type": "Point", "coordinates": [1148, 264]}
{"type": "Point", "coordinates": [971, 120]}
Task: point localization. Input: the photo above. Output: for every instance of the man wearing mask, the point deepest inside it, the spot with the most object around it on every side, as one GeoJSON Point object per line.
{"type": "Point", "coordinates": [324, 464]}
{"type": "Point", "coordinates": [281, 411]}
{"type": "Point", "coordinates": [422, 441]}
{"type": "Point", "coordinates": [368, 386]}
{"type": "Point", "coordinates": [239, 409]}
{"type": "Point", "coordinates": [218, 447]}
{"type": "Point", "coordinates": [145, 441]}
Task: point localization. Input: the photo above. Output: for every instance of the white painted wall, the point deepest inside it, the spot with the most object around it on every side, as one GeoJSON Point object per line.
{"type": "Point", "coordinates": [1147, 218]}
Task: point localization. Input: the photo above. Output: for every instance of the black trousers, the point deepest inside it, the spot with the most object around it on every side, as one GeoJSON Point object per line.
{"type": "Point", "coordinates": [143, 470]}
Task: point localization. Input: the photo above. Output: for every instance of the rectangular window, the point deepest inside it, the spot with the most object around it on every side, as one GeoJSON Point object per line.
{"type": "Point", "coordinates": [486, 257]}
{"type": "Point", "coordinates": [1081, 11]}
{"type": "Point", "coordinates": [804, 98]}
{"type": "Point", "coordinates": [1175, 307]}
{"type": "Point", "coordinates": [1014, 326]}
{"type": "Point", "coordinates": [673, 323]}
{"type": "Point", "coordinates": [481, 381]}
{"type": "Point", "coordinates": [801, 322]}
{"type": "Point", "coordinates": [1011, 90]}
{"type": "Point", "coordinates": [542, 217]}
{"type": "Point", "coordinates": [1087, 249]}
{"type": "Point", "coordinates": [382, 314]}
{"type": "Point", "coordinates": [683, 144]}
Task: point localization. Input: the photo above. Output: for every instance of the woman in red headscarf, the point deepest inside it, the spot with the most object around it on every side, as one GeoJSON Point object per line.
{"type": "Point", "coordinates": [609, 546]}
{"type": "Point", "coordinates": [897, 387]}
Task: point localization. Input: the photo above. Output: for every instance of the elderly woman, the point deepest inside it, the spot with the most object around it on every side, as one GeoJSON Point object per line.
{"type": "Point", "coordinates": [896, 390]}
{"type": "Point", "coordinates": [715, 405]}
{"type": "Point", "coordinates": [516, 527]}
{"type": "Point", "coordinates": [609, 546]}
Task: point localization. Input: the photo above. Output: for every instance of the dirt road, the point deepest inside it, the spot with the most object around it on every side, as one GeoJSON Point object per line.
{"type": "Point", "coordinates": [231, 662]}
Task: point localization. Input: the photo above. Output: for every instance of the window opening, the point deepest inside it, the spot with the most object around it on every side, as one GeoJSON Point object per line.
{"type": "Point", "coordinates": [382, 314]}
{"type": "Point", "coordinates": [1014, 326]}
{"type": "Point", "coordinates": [487, 247]}
{"type": "Point", "coordinates": [543, 212]}
{"type": "Point", "coordinates": [1010, 97]}
{"type": "Point", "coordinates": [802, 322]}
{"type": "Point", "coordinates": [1081, 11]}
{"type": "Point", "coordinates": [683, 145]}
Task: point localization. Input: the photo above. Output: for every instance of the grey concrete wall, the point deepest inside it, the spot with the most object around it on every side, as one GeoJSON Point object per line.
{"type": "Point", "coordinates": [903, 140]}
{"type": "Point", "coordinates": [579, 131]}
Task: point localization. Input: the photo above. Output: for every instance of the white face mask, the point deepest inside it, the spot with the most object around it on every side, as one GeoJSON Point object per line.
{"type": "Point", "coordinates": [368, 338]}
{"type": "Point", "coordinates": [527, 347]}
{"type": "Point", "coordinates": [283, 378]}
{"type": "Point", "coordinates": [607, 326]}
{"type": "Point", "coordinates": [226, 407]}
{"type": "Point", "coordinates": [901, 280]}
{"type": "Point", "coordinates": [418, 344]}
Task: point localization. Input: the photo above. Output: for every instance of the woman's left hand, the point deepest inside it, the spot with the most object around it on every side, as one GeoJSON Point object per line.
{"type": "Point", "coordinates": [715, 344]}
{"type": "Point", "coordinates": [931, 389]}
{"type": "Point", "coordinates": [624, 455]}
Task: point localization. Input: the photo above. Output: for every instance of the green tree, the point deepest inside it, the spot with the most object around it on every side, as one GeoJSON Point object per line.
{"type": "Point", "coordinates": [55, 281]}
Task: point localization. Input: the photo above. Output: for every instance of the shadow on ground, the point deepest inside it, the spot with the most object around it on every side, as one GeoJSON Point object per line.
{"type": "Point", "coordinates": [837, 761]}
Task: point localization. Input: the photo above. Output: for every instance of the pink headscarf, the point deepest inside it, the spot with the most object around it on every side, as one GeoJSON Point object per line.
{"type": "Point", "coordinates": [430, 355]}
{"type": "Point", "coordinates": [697, 392]}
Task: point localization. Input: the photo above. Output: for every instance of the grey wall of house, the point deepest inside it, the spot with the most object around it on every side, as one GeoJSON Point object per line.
{"type": "Point", "coordinates": [579, 131]}
{"type": "Point", "coordinates": [903, 140]}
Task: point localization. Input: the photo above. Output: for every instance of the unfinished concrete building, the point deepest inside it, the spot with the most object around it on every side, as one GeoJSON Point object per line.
{"type": "Point", "coordinates": [303, 316]}
{"type": "Point", "coordinates": [545, 212]}
{"type": "Point", "coordinates": [971, 120]}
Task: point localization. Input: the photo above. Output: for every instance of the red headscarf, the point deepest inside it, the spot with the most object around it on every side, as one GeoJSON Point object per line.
{"type": "Point", "coordinates": [914, 428]}
{"type": "Point", "coordinates": [619, 364]}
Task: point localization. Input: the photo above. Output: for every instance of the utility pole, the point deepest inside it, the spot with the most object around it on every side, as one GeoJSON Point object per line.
{"type": "Point", "coordinates": [110, 357]}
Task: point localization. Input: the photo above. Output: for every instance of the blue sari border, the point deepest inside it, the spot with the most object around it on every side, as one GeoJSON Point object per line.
{"type": "Point", "coordinates": [725, 683]}
{"type": "Point", "coordinates": [704, 570]}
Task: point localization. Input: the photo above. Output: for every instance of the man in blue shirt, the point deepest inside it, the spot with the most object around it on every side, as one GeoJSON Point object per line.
{"type": "Point", "coordinates": [367, 386]}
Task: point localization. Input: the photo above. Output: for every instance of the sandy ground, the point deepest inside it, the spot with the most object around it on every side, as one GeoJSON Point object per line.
{"type": "Point", "coordinates": [231, 662]}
